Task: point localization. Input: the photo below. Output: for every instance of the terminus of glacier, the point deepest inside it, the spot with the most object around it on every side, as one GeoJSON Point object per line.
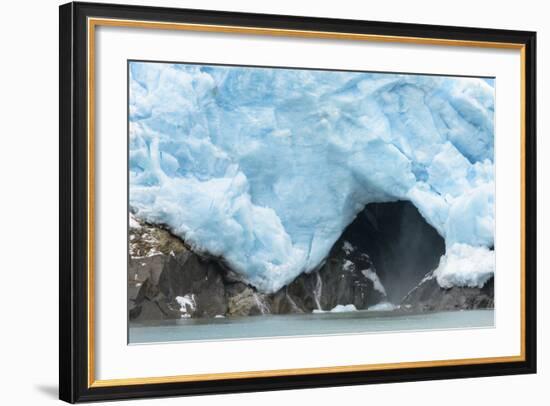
{"type": "Point", "coordinates": [266, 167]}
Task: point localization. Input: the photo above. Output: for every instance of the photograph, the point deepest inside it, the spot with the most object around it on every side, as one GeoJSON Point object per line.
{"type": "Point", "coordinates": [268, 201]}
{"type": "Point", "coordinates": [254, 202]}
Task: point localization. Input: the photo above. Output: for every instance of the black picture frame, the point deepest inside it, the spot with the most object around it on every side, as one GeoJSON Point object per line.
{"type": "Point", "coordinates": [74, 384]}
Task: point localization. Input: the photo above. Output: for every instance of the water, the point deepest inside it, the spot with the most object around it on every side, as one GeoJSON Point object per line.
{"type": "Point", "coordinates": [266, 326]}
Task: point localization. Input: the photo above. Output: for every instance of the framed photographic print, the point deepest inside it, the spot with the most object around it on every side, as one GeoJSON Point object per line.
{"type": "Point", "coordinates": [255, 202]}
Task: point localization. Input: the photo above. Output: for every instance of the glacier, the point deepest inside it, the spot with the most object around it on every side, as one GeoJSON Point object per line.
{"type": "Point", "coordinates": [265, 167]}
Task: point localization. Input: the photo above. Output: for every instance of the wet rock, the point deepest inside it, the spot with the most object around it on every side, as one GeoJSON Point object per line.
{"type": "Point", "coordinates": [243, 300]}
{"type": "Point", "coordinates": [429, 296]}
{"type": "Point", "coordinates": [282, 303]}
{"type": "Point", "coordinates": [305, 291]}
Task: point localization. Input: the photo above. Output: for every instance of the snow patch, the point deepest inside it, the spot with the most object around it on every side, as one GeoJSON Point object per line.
{"type": "Point", "coordinates": [348, 266]}
{"type": "Point", "coordinates": [373, 277]}
{"type": "Point", "coordinates": [187, 305]}
{"type": "Point", "coordinates": [465, 265]}
{"type": "Point", "coordinates": [348, 247]}
{"type": "Point", "coordinates": [133, 223]}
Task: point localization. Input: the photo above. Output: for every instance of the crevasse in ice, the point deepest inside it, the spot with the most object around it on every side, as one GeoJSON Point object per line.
{"type": "Point", "coordinates": [266, 167]}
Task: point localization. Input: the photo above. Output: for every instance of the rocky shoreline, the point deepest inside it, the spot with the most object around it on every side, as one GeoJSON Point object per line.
{"type": "Point", "coordinates": [167, 279]}
{"type": "Point", "coordinates": [182, 283]}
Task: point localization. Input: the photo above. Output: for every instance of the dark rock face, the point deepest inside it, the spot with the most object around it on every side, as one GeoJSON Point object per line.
{"type": "Point", "coordinates": [342, 279]}
{"type": "Point", "coordinates": [150, 248]}
{"type": "Point", "coordinates": [143, 276]}
{"type": "Point", "coordinates": [186, 284]}
{"type": "Point", "coordinates": [150, 304]}
{"type": "Point", "coordinates": [162, 269]}
{"type": "Point", "coordinates": [188, 274]}
{"type": "Point", "coordinates": [429, 296]}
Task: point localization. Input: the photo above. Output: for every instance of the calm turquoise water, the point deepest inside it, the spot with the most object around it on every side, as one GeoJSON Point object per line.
{"type": "Point", "coordinates": [304, 324]}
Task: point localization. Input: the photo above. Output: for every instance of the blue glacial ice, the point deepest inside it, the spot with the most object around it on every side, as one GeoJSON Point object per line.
{"type": "Point", "coordinates": [267, 167]}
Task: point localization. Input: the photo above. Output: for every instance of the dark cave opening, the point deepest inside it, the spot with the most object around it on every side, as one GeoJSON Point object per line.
{"type": "Point", "coordinates": [401, 244]}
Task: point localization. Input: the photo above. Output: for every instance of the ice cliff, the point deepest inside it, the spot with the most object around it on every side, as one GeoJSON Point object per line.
{"type": "Point", "coordinates": [267, 167]}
